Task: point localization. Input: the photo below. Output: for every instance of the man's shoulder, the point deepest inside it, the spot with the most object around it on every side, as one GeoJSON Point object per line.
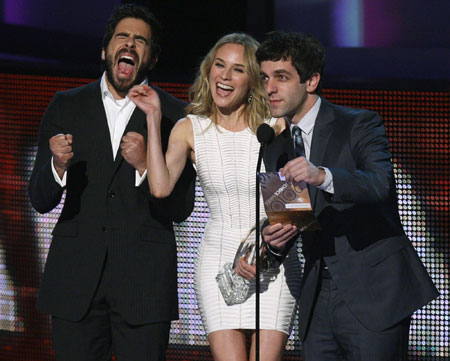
{"type": "Point", "coordinates": [346, 111]}
{"type": "Point", "coordinates": [345, 114]}
{"type": "Point", "coordinates": [83, 90]}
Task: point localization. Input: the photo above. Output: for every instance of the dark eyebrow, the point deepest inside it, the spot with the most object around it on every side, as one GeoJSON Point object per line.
{"type": "Point", "coordinates": [277, 72]}
{"type": "Point", "coordinates": [139, 37]}
{"type": "Point", "coordinates": [282, 71]}
{"type": "Point", "coordinates": [143, 38]}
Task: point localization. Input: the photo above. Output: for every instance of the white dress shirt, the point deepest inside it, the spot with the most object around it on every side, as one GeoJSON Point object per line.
{"type": "Point", "coordinates": [118, 113]}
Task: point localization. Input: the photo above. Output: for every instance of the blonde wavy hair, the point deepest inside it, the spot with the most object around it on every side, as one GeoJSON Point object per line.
{"type": "Point", "coordinates": [257, 109]}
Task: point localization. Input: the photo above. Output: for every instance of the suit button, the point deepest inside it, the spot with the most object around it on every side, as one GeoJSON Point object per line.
{"type": "Point", "coordinates": [104, 229]}
{"type": "Point", "coordinates": [111, 194]}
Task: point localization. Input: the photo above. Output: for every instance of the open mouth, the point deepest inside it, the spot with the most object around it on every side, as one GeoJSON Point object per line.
{"type": "Point", "coordinates": [126, 64]}
{"type": "Point", "coordinates": [223, 89]}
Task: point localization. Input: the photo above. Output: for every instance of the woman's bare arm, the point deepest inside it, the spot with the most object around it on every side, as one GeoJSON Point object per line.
{"type": "Point", "coordinates": [162, 171]}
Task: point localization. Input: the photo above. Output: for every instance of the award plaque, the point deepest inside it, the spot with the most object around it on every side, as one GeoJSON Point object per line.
{"type": "Point", "coordinates": [287, 203]}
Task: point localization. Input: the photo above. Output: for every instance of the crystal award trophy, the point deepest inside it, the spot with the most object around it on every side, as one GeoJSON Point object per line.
{"type": "Point", "coordinates": [233, 287]}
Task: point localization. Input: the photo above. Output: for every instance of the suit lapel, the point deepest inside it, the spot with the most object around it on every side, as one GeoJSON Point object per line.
{"type": "Point", "coordinates": [98, 124]}
{"type": "Point", "coordinates": [323, 128]}
{"type": "Point", "coordinates": [136, 124]}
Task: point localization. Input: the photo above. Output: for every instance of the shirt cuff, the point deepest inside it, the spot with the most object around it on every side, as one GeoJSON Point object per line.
{"type": "Point", "coordinates": [62, 182]}
{"type": "Point", "coordinates": [278, 252]}
{"type": "Point", "coordinates": [140, 178]}
{"type": "Point", "coordinates": [327, 184]}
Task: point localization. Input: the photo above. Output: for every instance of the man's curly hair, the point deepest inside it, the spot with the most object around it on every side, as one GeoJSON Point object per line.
{"type": "Point", "coordinates": [306, 53]}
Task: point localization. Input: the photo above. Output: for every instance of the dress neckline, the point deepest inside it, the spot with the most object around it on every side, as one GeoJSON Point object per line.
{"type": "Point", "coordinates": [230, 131]}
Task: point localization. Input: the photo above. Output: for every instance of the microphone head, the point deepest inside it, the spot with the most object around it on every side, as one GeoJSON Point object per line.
{"type": "Point", "coordinates": [265, 134]}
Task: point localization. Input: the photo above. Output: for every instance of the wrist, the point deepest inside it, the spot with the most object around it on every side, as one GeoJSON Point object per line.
{"type": "Point", "coordinates": [153, 117]}
{"type": "Point", "coordinates": [275, 250]}
{"type": "Point", "coordinates": [321, 176]}
{"type": "Point", "coordinates": [60, 169]}
{"type": "Point", "coordinates": [141, 170]}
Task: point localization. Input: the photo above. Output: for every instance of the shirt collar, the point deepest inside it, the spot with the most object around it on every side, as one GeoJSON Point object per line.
{"type": "Point", "coordinates": [306, 124]}
{"type": "Point", "coordinates": [107, 93]}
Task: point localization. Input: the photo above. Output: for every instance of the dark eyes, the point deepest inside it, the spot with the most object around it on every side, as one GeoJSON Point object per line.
{"type": "Point", "coordinates": [279, 77]}
{"type": "Point", "coordinates": [138, 40]}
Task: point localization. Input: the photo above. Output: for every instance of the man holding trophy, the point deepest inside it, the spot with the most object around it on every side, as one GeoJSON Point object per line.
{"type": "Point", "coordinates": [362, 278]}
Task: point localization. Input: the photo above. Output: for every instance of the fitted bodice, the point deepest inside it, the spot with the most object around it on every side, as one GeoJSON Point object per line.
{"type": "Point", "coordinates": [226, 167]}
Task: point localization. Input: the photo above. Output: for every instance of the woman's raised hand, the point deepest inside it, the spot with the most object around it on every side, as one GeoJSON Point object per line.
{"type": "Point", "coordinates": [147, 100]}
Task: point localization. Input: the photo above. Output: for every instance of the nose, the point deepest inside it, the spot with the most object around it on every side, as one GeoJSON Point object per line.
{"type": "Point", "coordinates": [226, 73]}
{"type": "Point", "coordinates": [130, 43]}
{"type": "Point", "coordinates": [270, 87]}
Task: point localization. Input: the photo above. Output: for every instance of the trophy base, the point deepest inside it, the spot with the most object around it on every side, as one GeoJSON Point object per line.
{"type": "Point", "coordinates": [233, 287]}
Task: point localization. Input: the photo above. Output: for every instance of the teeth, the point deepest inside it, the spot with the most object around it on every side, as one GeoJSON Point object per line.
{"type": "Point", "coordinates": [126, 57]}
{"type": "Point", "coordinates": [225, 87]}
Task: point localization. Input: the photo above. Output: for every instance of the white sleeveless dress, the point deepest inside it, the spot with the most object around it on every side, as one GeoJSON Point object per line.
{"type": "Point", "coordinates": [226, 166]}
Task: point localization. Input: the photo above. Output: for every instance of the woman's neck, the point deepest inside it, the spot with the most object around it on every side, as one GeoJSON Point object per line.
{"type": "Point", "coordinates": [233, 121]}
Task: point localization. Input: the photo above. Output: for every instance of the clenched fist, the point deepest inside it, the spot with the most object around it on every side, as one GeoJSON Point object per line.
{"type": "Point", "coordinates": [61, 148]}
{"type": "Point", "coordinates": [133, 150]}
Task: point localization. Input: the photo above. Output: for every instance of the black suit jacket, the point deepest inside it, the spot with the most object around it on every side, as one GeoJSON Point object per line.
{"type": "Point", "coordinates": [106, 216]}
{"type": "Point", "coordinates": [377, 270]}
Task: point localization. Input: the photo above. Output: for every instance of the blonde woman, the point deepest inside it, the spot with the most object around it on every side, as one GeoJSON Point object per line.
{"type": "Point", "coordinates": [228, 104]}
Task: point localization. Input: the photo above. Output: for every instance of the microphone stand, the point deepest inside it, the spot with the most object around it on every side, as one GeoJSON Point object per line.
{"type": "Point", "coordinates": [265, 135]}
{"type": "Point", "coordinates": [257, 247]}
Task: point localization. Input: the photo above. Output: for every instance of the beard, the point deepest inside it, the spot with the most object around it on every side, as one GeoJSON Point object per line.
{"type": "Point", "coordinates": [122, 86]}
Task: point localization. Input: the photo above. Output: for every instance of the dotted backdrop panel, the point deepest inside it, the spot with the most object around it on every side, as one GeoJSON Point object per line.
{"type": "Point", "coordinates": [417, 124]}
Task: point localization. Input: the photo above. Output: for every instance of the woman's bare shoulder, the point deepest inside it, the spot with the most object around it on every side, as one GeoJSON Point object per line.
{"type": "Point", "coordinates": [183, 131]}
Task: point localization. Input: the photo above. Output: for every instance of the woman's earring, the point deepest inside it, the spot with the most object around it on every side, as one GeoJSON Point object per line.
{"type": "Point", "coordinates": [249, 97]}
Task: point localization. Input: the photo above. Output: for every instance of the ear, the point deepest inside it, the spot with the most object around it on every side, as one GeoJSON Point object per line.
{"type": "Point", "coordinates": [103, 54]}
{"type": "Point", "coordinates": [152, 63]}
{"type": "Point", "coordinates": [312, 83]}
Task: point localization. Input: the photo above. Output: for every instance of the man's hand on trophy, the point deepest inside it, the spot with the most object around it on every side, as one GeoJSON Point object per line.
{"type": "Point", "coordinates": [245, 270]}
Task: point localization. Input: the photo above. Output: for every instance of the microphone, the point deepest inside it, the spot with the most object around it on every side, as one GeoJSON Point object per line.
{"type": "Point", "coordinates": [265, 135]}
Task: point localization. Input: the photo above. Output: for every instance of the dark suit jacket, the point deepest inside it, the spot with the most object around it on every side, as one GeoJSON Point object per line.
{"type": "Point", "coordinates": [106, 216]}
{"type": "Point", "coordinates": [377, 270]}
